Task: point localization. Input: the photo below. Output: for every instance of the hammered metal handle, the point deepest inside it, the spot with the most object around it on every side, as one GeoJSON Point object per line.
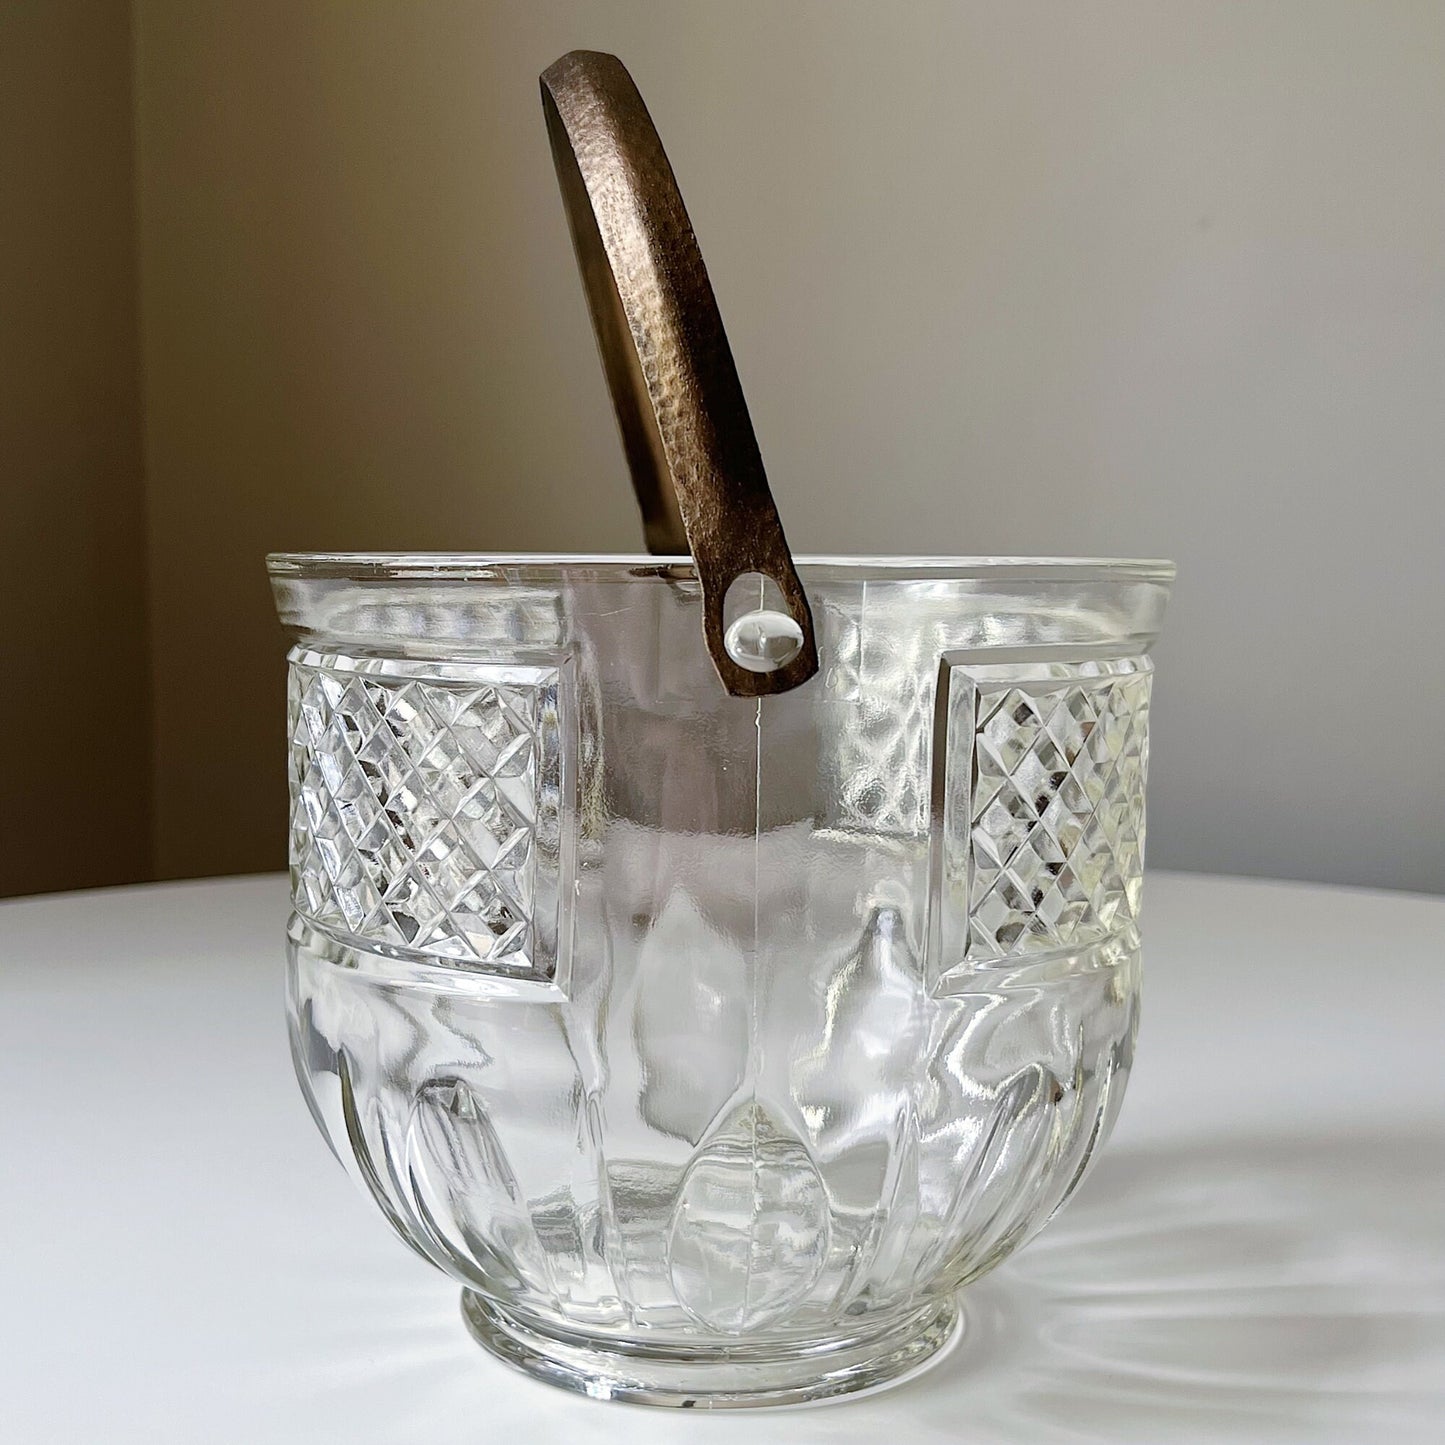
{"type": "Point", "coordinates": [685, 427]}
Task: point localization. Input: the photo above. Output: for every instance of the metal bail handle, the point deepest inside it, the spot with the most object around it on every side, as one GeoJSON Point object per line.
{"type": "Point", "coordinates": [685, 427]}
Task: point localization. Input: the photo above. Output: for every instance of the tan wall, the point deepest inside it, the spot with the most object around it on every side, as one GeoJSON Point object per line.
{"type": "Point", "coordinates": [75, 778]}
{"type": "Point", "coordinates": [1112, 277]}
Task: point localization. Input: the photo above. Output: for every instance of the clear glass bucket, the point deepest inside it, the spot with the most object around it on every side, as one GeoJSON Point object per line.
{"type": "Point", "coordinates": [713, 1043]}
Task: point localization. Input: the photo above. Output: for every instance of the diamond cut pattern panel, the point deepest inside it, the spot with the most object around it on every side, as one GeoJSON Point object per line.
{"type": "Point", "coordinates": [426, 807]}
{"type": "Point", "coordinates": [1042, 843]}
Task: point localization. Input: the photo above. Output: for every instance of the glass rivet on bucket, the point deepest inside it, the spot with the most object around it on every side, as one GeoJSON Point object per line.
{"type": "Point", "coordinates": [763, 640]}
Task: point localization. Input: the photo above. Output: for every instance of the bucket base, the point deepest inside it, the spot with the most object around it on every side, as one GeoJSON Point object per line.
{"type": "Point", "coordinates": [724, 1377]}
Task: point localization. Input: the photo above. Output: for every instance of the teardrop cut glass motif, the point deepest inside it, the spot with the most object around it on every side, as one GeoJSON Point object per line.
{"type": "Point", "coordinates": [465, 1187]}
{"type": "Point", "coordinates": [750, 1228]}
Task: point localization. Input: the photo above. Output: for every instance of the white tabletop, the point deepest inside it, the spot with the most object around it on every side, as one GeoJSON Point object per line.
{"type": "Point", "coordinates": [1259, 1256]}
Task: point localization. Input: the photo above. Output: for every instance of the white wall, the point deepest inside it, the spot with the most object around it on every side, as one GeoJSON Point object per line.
{"type": "Point", "coordinates": [1083, 278]}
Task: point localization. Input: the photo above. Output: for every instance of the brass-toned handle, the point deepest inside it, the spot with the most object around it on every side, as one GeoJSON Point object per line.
{"type": "Point", "coordinates": [685, 426]}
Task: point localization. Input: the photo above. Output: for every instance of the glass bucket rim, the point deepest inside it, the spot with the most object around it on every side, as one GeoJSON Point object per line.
{"type": "Point", "coordinates": [558, 566]}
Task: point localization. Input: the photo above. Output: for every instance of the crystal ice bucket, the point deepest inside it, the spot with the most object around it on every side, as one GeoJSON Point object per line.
{"type": "Point", "coordinates": [711, 1043]}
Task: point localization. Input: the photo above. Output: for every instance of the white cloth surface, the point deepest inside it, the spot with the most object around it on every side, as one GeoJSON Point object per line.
{"type": "Point", "coordinates": [1258, 1256]}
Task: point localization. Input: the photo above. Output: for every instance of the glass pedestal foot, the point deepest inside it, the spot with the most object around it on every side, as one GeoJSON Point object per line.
{"type": "Point", "coordinates": [727, 1376]}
